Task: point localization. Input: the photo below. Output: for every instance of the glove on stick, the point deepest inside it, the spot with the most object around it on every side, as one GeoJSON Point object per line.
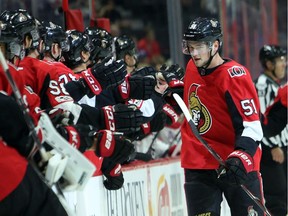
{"type": "Point", "coordinates": [238, 165]}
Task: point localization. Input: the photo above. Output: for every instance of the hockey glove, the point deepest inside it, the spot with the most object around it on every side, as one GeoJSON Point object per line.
{"type": "Point", "coordinates": [80, 136]}
{"type": "Point", "coordinates": [78, 89]}
{"type": "Point", "coordinates": [137, 87]}
{"type": "Point", "coordinates": [123, 118]}
{"type": "Point", "coordinates": [172, 116]}
{"type": "Point", "coordinates": [171, 101]}
{"type": "Point", "coordinates": [109, 73]}
{"type": "Point", "coordinates": [175, 69]}
{"type": "Point", "coordinates": [113, 146]}
{"type": "Point", "coordinates": [144, 71]}
{"type": "Point", "coordinates": [173, 75]}
{"type": "Point", "coordinates": [60, 117]}
{"type": "Point", "coordinates": [90, 84]}
{"type": "Point", "coordinates": [156, 124]}
{"type": "Point", "coordinates": [113, 173]}
{"type": "Point", "coordinates": [238, 165]}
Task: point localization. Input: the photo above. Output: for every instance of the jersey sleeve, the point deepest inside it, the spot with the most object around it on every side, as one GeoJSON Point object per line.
{"type": "Point", "coordinates": [55, 91]}
{"type": "Point", "coordinates": [243, 105]}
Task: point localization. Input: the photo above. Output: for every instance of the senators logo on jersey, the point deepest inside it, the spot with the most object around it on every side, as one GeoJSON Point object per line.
{"type": "Point", "coordinates": [200, 115]}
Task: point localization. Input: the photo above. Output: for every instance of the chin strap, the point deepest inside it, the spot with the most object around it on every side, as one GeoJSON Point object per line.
{"type": "Point", "coordinates": [204, 67]}
{"type": "Point", "coordinates": [55, 58]}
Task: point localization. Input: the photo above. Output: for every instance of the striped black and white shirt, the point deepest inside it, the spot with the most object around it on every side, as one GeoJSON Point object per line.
{"type": "Point", "coordinates": [267, 91]}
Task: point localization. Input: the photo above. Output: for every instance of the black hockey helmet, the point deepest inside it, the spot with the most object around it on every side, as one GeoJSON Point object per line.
{"type": "Point", "coordinates": [8, 33]}
{"type": "Point", "coordinates": [41, 28]}
{"type": "Point", "coordinates": [12, 40]}
{"type": "Point", "coordinates": [55, 34]}
{"type": "Point", "coordinates": [5, 15]}
{"type": "Point", "coordinates": [25, 24]}
{"type": "Point", "coordinates": [202, 29]}
{"type": "Point", "coordinates": [102, 41]}
{"type": "Point", "coordinates": [270, 52]}
{"type": "Point", "coordinates": [124, 45]}
{"type": "Point", "coordinates": [78, 42]}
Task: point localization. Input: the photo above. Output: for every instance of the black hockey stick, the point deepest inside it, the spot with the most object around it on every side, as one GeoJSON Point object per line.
{"type": "Point", "coordinates": [188, 117]}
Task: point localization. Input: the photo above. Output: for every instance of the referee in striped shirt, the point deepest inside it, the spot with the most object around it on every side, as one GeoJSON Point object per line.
{"type": "Point", "coordinates": [274, 149]}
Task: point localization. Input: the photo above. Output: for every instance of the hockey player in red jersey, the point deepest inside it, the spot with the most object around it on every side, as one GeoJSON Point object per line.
{"type": "Point", "coordinates": [44, 80]}
{"type": "Point", "coordinates": [47, 75]}
{"type": "Point", "coordinates": [224, 106]}
{"type": "Point", "coordinates": [22, 191]}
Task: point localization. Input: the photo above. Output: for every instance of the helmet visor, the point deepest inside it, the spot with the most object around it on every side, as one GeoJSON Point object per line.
{"type": "Point", "coordinates": [195, 48]}
{"type": "Point", "coordinates": [65, 46]}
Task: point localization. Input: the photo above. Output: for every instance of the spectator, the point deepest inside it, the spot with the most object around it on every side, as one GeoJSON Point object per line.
{"type": "Point", "coordinates": [148, 45]}
{"type": "Point", "coordinates": [110, 11]}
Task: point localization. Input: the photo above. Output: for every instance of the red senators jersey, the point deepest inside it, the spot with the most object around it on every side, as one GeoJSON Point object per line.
{"type": "Point", "coordinates": [65, 74]}
{"type": "Point", "coordinates": [13, 167]}
{"type": "Point", "coordinates": [16, 75]}
{"type": "Point", "coordinates": [31, 100]}
{"type": "Point", "coordinates": [42, 77]}
{"type": "Point", "coordinates": [225, 109]}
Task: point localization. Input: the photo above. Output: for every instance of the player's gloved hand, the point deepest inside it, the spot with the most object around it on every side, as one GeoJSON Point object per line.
{"type": "Point", "coordinates": [101, 76]}
{"type": "Point", "coordinates": [60, 117]}
{"type": "Point", "coordinates": [109, 73]}
{"type": "Point", "coordinates": [172, 116]}
{"type": "Point", "coordinates": [144, 71]}
{"type": "Point", "coordinates": [80, 136]}
{"type": "Point", "coordinates": [113, 173]}
{"type": "Point", "coordinates": [78, 89]}
{"type": "Point", "coordinates": [175, 69]}
{"type": "Point", "coordinates": [171, 101]}
{"type": "Point", "coordinates": [121, 117]}
{"type": "Point", "coordinates": [156, 124]}
{"type": "Point", "coordinates": [137, 87]}
{"type": "Point", "coordinates": [173, 75]}
{"type": "Point", "coordinates": [238, 165]}
{"type": "Point", "coordinates": [113, 145]}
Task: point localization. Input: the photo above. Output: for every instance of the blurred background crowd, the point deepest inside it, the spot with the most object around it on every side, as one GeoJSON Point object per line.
{"type": "Point", "coordinates": [157, 26]}
{"type": "Point", "coordinates": [155, 29]}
